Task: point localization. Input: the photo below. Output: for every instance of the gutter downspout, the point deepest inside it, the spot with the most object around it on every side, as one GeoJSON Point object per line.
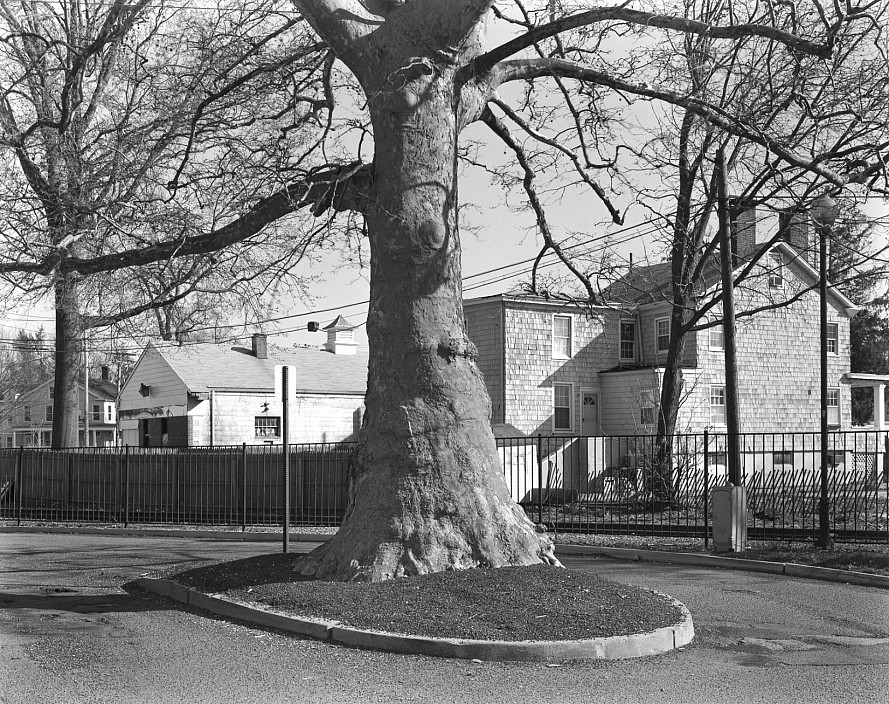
{"type": "Point", "coordinates": [212, 404]}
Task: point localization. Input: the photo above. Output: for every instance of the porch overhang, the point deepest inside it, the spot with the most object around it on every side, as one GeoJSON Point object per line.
{"type": "Point", "coordinates": [877, 382]}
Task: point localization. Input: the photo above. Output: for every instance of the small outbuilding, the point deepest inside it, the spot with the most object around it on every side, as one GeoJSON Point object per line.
{"type": "Point", "coordinates": [212, 395]}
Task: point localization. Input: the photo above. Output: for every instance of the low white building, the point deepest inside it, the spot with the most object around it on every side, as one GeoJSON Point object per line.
{"type": "Point", "coordinates": [214, 395]}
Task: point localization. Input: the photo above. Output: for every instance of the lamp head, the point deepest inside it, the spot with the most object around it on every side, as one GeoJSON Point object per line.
{"type": "Point", "coordinates": [824, 210]}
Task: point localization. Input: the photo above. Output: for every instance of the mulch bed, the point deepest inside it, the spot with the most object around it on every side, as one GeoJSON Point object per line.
{"type": "Point", "coordinates": [510, 603]}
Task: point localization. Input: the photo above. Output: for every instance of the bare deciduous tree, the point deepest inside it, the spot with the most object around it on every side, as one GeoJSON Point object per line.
{"type": "Point", "coordinates": [426, 489]}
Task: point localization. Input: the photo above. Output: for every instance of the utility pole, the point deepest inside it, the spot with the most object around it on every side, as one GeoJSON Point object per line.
{"type": "Point", "coordinates": [729, 502]}
{"type": "Point", "coordinates": [732, 416]}
{"type": "Point", "coordinates": [86, 391]}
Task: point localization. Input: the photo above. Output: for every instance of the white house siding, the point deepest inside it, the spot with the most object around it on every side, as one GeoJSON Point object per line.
{"type": "Point", "coordinates": [168, 394]}
{"type": "Point", "coordinates": [326, 418]}
{"type": "Point", "coordinates": [314, 418]}
{"type": "Point", "coordinates": [484, 326]}
{"type": "Point", "coordinates": [531, 370]}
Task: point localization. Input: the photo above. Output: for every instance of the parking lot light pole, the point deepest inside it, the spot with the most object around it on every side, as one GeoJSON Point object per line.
{"type": "Point", "coordinates": [824, 214]}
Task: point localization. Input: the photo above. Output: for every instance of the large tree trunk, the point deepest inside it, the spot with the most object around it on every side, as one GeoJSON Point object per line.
{"type": "Point", "coordinates": [68, 358]}
{"type": "Point", "coordinates": [427, 490]}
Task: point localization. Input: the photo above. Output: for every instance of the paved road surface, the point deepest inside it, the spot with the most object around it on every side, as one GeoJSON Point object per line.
{"type": "Point", "coordinates": [70, 633]}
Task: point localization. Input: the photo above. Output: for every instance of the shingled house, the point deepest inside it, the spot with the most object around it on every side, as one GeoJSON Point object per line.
{"type": "Point", "coordinates": [211, 395]}
{"type": "Point", "coordinates": [553, 368]}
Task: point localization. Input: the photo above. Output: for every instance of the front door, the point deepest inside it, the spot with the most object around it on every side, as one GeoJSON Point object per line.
{"type": "Point", "coordinates": [589, 419]}
{"type": "Point", "coordinates": [593, 446]}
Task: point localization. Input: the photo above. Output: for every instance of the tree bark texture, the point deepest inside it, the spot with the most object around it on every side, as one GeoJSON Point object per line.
{"type": "Point", "coordinates": [68, 361]}
{"type": "Point", "coordinates": [427, 491]}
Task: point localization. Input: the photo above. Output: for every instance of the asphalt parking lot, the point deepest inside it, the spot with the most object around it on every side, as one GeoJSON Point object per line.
{"type": "Point", "coordinates": [71, 632]}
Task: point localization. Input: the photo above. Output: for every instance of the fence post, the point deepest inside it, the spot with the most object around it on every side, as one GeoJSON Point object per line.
{"type": "Point", "coordinates": [539, 479]}
{"type": "Point", "coordinates": [18, 483]}
{"type": "Point", "coordinates": [244, 487]}
{"type": "Point", "coordinates": [706, 489]}
{"type": "Point", "coordinates": [126, 487]}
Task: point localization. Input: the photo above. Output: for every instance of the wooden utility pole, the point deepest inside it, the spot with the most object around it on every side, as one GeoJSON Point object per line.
{"type": "Point", "coordinates": [732, 417]}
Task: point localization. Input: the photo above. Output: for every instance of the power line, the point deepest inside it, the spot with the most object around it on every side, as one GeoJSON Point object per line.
{"type": "Point", "coordinates": [504, 277]}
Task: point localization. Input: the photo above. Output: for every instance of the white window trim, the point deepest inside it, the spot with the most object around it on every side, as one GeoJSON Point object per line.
{"type": "Point", "coordinates": [648, 395]}
{"type": "Point", "coordinates": [710, 344]}
{"type": "Point", "coordinates": [571, 402]}
{"type": "Point", "coordinates": [839, 417]}
{"type": "Point", "coordinates": [710, 404]}
{"type": "Point", "coordinates": [836, 339]}
{"type": "Point", "coordinates": [570, 335]}
{"type": "Point", "coordinates": [620, 355]}
{"type": "Point", "coordinates": [776, 270]}
{"type": "Point", "coordinates": [657, 349]}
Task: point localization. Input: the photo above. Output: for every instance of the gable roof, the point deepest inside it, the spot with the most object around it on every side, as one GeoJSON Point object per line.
{"type": "Point", "coordinates": [208, 367]}
{"type": "Point", "coordinates": [652, 284]}
{"type": "Point", "coordinates": [99, 388]}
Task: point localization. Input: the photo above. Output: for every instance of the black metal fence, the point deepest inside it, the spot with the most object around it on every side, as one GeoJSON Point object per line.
{"type": "Point", "coordinates": [199, 485]}
{"type": "Point", "coordinates": [610, 485]}
{"type": "Point", "coordinates": [630, 485]}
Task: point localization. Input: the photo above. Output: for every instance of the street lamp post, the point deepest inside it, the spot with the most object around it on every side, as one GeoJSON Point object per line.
{"type": "Point", "coordinates": [824, 214]}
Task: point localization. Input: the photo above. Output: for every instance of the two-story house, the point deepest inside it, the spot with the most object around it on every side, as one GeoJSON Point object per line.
{"type": "Point", "coordinates": [553, 368]}
{"type": "Point", "coordinates": [29, 417]}
{"type": "Point", "coordinates": [557, 370]}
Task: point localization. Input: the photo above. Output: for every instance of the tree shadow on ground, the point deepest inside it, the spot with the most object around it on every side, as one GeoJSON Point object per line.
{"type": "Point", "coordinates": [246, 572]}
{"type": "Point", "coordinates": [65, 599]}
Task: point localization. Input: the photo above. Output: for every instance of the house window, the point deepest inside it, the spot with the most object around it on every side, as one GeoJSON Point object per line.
{"type": "Point", "coordinates": [662, 334]}
{"type": "Point", "coordinates": [717, 337]}
{"type": "Point", "coordinates": [562, 407]}
{"type": "Point", "coordinates": [776, 270]}
{"type": "Point", "coordinates": [267, 426]}
{"type": "Point", "coordinates": [647, 408]}
{"type": "Point", "coordinates": [833, 406]}
{"type": "Point", "coordinates": [48, 414]}
{"type": "Point", "coordinates": [717, 405]}
{"type": "Point", "coordinates": [782, 457]}
{"type": "Point", "coordinates": [627, 340]}
{"type": "Point", "coordinates": [719, 459]}
{"type": "Point", "coordinates": [52, 391]}
{"type": "Point", "coordinates": [832, 338]}
{"type": "Point", "coordinates": [97, 413]}
{"type": "Point", "coordinates": [27, 413]}
{"type": "Point", "coordinates": [109, 413]}
{"type": "Point", "coordinates": [561, 337]}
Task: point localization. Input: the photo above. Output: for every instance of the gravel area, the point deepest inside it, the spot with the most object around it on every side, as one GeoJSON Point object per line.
{"type": "Point", "coordinates": [510, 603]}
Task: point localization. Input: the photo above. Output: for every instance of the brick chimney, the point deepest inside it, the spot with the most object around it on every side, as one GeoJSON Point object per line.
{"type": "Point", "coordinates": [340, 339]}
{"type": "Point", "coordinates": [796, 228]}
{"type": "Point", "coordinates": [742, 221]}
{"type": "Point", "coordinates": [106, 375]}
{"type": "Point", "coordinates": [260, 346]}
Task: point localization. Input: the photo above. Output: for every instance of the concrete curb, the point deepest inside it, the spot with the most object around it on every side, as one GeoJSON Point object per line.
{"type": "Point", "coordinates": [636, 645]}
{"type": "Point", "coordinates": [789, 569]}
